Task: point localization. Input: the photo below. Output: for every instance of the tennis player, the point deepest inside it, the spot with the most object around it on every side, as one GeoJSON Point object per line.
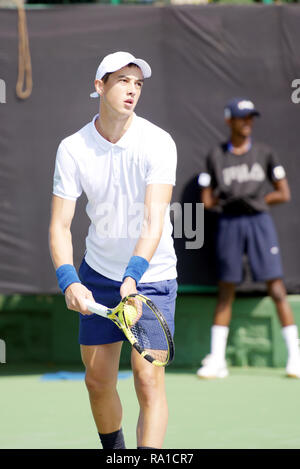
{"type": "Point", "coordinates": [234, 182]}
{"type": "Point", "coordinates": [126, 166]}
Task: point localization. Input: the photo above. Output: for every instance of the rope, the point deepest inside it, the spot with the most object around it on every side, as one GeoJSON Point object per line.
{"type": "Point", "coordinates": [24, 82]}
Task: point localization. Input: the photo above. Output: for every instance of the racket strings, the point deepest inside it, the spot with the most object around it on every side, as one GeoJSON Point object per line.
{"type": "Point", "coordinates": [149, 333]}
{"type": "Point", "coordinates": [133, 310]}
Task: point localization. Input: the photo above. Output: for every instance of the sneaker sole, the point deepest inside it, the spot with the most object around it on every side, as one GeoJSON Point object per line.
{"type": "Point", "coordinates": [291, 375]}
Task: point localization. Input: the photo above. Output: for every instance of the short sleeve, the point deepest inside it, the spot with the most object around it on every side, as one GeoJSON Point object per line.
{"type": "Point", "coordinates": [66, 181]}
{"type": "Point", "coordinates": [276, 171]}
{"type": "Point", "coordinates": [206, 176]}
{"type": "Point", "coordinates": [161, 162]}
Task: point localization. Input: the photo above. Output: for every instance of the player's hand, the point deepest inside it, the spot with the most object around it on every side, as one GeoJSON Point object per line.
{"type": "Point", "coordinates": [75, 295]}
{"type": "Point", "coordinates": [128, 287]}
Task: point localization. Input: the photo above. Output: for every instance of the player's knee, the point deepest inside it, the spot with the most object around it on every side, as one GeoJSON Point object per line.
{"type": "Point", "coordinates": [97, 386]}
{"type": "Point", "coordinates": [277, 291]}
{"type": "Point", "coordinates": [146, 383]}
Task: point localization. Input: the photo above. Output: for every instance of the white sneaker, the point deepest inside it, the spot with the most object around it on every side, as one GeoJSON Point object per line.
{"type": "Point", "coordinates": [212, 368]}
{"type": "Point", "coordinates": [293, 368]}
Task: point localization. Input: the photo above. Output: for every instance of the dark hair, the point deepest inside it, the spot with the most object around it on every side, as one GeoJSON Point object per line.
{"type": "Point", "coordinates": [106, 76]}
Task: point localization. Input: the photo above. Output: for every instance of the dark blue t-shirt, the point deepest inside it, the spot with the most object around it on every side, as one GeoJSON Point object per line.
{"type": "Point", "coordinates": [240, 181]}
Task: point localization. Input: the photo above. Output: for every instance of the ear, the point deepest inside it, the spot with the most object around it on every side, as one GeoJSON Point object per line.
{"type": "Point", "coordinates": [99, 87]}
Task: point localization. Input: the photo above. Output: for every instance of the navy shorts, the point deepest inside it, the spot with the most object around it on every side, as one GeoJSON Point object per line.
{"type": "Point", "coordinates": [95, 330]}
{"type": "Point", "coordinates": [254, 235]}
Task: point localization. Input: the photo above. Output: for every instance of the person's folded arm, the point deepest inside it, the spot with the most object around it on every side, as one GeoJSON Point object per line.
{"type": "Point", "coordinates": [280, 194]}
{"type": "Point", "coordinates": [208, 198]}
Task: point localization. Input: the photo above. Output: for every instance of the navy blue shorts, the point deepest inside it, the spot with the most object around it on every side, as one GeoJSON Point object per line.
{"type": "Point", "coordinates": [254, 235]}
{"type": "Point", "coordinates": [95, 330]}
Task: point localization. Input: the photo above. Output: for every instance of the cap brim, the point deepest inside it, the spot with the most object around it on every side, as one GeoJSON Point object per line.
{"type": "Point", "coordinates": [145, 68]}
{"type": "Point", "coordinates": [253, 113]}
{"type": "Point", "coordinates": [244, 113]}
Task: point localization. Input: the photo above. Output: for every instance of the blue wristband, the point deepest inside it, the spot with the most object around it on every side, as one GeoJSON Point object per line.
{"type": "Point", "coordinates": [136, 268]}
{"type": "Point", "coordinates": [66, 274]}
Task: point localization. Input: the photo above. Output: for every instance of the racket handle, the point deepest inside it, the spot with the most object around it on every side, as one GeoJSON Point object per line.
{"type": "Point", "coordinates": [96, 308]}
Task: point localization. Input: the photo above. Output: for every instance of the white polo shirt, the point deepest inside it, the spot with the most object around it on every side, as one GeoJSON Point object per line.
{"type": "Point", "coordinates": [114, 178]}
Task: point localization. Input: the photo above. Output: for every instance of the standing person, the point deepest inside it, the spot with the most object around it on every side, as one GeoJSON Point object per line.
{"type": "Point", "coordinates": [234, 181]}
{"type": "Point", "coordinates": [126, 166]}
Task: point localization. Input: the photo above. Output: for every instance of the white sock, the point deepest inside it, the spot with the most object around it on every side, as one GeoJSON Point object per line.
{"type": "Point", "coordinates": [290, 335]}
{"type": "Point", "coordinates": [219, 336]}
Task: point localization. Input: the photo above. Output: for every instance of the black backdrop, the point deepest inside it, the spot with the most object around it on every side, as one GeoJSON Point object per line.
{"type": "Point", "coordinates": [201, 56]}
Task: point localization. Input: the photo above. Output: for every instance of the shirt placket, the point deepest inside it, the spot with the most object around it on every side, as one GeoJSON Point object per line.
{"type": "Point", "coordinates": [116, 165]}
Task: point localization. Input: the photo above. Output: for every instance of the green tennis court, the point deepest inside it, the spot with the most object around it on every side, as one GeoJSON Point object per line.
{"type": "Point", "coordinates": [253, 408]}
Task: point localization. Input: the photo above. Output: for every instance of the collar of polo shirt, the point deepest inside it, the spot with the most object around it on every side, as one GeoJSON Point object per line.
{"type": "Point", "coordinates": [122, 143]}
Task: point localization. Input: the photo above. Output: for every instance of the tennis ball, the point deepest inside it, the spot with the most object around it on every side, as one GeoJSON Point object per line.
{"type": "Point", "coordinates": [130, 312]}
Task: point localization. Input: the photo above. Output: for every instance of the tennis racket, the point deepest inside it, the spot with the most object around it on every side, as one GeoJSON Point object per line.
{"type": "Point", "coordinates": [143, 325]}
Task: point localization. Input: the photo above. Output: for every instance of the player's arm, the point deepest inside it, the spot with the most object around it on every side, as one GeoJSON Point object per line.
{"type": "Point", "coordinates": [280, 194]}
{"type": "Point", "coordinates": [208, 198]}
{"type": "Point", "coordinates": [277, 176]}
{"type": "Point", "coordinates": [157, 199]}
{"type": "Point", "coordinates": [61, 249]}
{"type": "Point", "coordinates": [208, 185]}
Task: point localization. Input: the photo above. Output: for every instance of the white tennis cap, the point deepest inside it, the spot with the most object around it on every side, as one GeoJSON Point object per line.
{"type": "Point", "coordinates": [117, 60]}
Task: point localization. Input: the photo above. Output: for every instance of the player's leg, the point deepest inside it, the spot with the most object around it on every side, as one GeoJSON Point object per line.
{"type": "Point", "coordinates": [277, 292]}
{"type": "Point", "coordinates": [101, 342]}
{"type": "Point", "coordinates": [102, 364]}
{"type": "Point", "coordinates": [149, 381]}
{"type": "Point", "coordinates": [222, 318]}
{"type": "Point", "coordinates": [265, 262]}
{"type": "Point", "coordinates": [229, 253]}
{"type": "Point", "coordinates": [223, 310]}
{"type": "Point", "coordinates": [214, 365]}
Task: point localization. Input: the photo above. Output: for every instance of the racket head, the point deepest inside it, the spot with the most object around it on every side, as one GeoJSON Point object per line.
{"type": "Point", "coordinates": [148, 331]}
